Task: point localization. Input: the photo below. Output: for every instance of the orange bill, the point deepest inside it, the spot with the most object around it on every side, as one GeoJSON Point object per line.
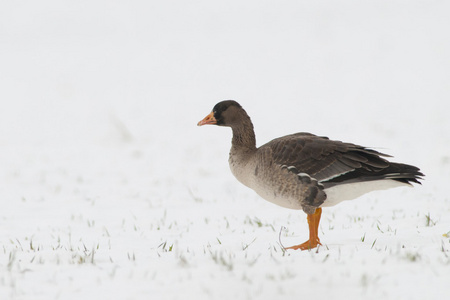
{"type": "Point", "coordinates": [208, 120]}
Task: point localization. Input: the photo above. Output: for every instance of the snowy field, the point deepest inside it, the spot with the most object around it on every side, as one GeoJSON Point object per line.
{"type": "Point", "coordinates": [109, 190]}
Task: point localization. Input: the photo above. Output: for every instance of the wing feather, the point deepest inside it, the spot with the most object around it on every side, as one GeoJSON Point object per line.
{"type": "Point", "coordinates": [327, 160]}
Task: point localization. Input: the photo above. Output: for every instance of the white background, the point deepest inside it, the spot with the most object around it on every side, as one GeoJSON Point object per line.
{"type": "Point", "coordinates": [109, 190]}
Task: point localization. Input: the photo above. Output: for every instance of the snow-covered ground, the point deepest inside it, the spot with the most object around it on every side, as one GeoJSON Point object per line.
{"type": "Point", "coordinates": [109, 190]}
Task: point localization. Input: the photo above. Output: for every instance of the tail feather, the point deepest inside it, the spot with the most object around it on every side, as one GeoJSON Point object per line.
{"type": "Point", "coordinates": [404, 173]}
{"type": "Point", "coordinates": [399, 172]}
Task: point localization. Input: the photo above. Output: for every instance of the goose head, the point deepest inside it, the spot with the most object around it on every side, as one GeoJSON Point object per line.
{"type": "Point", "coordinates": [225, 113]}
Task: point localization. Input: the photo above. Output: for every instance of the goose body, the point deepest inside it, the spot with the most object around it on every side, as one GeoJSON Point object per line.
{"type": "Point", "coordinates": [305, 171]}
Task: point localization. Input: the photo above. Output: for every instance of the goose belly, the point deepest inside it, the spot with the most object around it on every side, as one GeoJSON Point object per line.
{"type": "Point", "coordinates": [277, 196]}
{"type": "Point", "coordinates": [277, 190]}
{"type": "Point", "coordinates": [350, 191]}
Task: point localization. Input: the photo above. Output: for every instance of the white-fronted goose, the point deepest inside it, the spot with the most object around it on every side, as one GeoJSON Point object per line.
{"type": "Point", "coordinates": [304, 171]}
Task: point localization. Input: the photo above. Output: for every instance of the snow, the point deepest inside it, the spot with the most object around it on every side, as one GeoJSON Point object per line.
{"type": "Point", "coordinates": [109, 189]}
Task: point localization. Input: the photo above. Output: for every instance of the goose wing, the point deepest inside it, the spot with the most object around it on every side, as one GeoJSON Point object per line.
{"type": "Point", "coordinates": [335, 162]}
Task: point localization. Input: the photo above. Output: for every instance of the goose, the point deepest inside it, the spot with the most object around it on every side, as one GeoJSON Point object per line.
{"type": "Point", "coordinates": [303, 171]}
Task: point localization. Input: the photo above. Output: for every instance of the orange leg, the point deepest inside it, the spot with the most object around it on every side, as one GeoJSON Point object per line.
{"type": "Point", "coordinates": [313, 242]}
